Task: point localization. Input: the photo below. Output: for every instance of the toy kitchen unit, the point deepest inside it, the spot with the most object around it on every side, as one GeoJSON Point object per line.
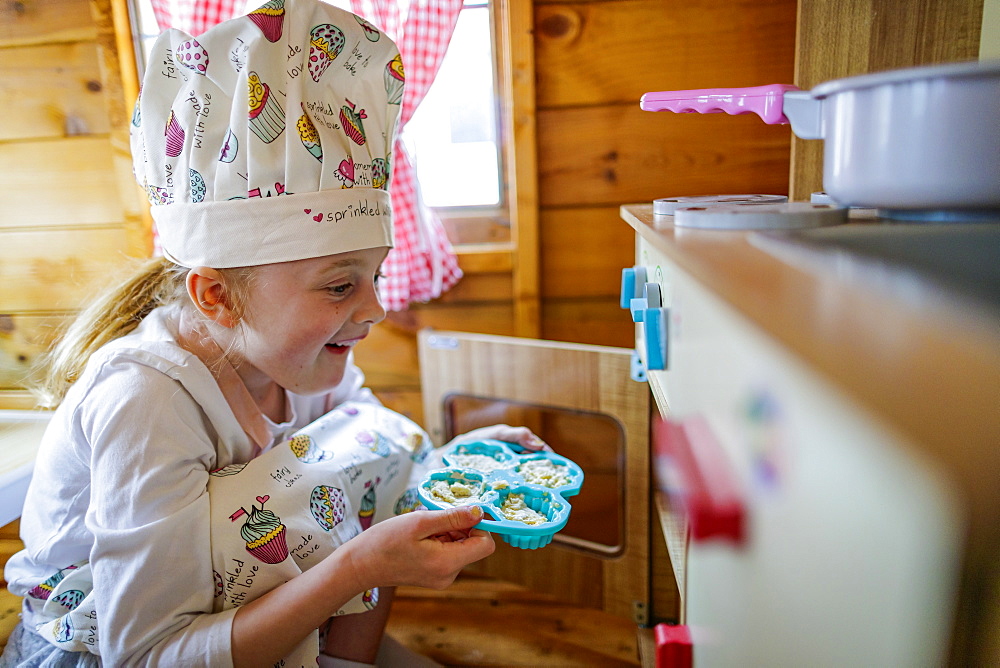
{"type": "Point", "coordinates": [827, 373]}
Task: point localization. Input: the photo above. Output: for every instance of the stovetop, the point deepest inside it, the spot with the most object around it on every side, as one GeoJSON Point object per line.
{"type": "Point", "coordinates": [960, 259]}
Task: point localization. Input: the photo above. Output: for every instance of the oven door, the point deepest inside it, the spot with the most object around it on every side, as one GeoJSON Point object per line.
{"type": "Point", "coordinates": [581, 400]}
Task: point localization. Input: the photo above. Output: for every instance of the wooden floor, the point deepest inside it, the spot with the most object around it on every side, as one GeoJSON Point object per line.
{"type": "Point", "coordinates": [10, 613]}
{"type": "Point", "coordinates": [482, 622]}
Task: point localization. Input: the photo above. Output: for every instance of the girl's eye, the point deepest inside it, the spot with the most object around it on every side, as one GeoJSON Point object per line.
{"type": "Point", "coordinates": [342, 289]}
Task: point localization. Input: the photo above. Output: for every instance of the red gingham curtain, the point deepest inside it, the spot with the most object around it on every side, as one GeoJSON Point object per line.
{"type": "Point", "coordinates": [422, 265]}
{"type": "Point", "coordinates": [195, 16]}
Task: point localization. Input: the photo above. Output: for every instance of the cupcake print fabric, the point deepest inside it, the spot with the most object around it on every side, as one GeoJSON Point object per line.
{"type": "Point", "coordinates": [288, 509]}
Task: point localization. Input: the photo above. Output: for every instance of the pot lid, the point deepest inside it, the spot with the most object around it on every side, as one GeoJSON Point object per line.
{"type": "Point", "coordinates": [974, 68]}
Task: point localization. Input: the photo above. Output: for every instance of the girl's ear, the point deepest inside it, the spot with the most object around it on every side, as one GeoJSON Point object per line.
{"type": "Point", "coordinates": [207, 291]}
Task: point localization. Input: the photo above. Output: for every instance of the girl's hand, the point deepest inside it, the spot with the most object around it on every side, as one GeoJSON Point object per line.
{"type": "Point", "coordinates": [522, 436]}
{"type": "Point", "coordinates": [425, 548]}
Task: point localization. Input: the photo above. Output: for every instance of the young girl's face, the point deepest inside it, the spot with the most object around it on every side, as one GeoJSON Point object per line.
{"type": "Point", "coordinates": [303, 317]}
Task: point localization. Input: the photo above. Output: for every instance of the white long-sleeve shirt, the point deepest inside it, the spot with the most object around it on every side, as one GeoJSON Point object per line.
{"type": "Point", "coordinates": [120, 480]}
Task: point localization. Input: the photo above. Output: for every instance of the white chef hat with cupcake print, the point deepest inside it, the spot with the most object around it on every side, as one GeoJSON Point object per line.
{"type": "Point", "coordinates": [268, 138]}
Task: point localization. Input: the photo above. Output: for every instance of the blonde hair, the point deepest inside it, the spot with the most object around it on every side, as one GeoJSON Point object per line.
{"type": "Point", "coordinates": [118, 311]}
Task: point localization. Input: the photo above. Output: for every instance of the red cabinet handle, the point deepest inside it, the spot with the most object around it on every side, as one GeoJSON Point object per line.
{"type": "Point", "coordinates": [698, 476]}
{"type": "Point", "coordinates": [673, 646]}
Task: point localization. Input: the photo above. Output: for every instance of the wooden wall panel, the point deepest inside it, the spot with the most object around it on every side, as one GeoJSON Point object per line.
{"type": "Point", "coordinates": [74, 178]}
{"type": "Point", "coordinates": [23, 338]}
{"type": "Point", "coordinates": [615, 154]}
{"type": "Point", "coordinates": [598, 321]}
{"type": "Point", "coordinates": [24, 22]}
{"type": "Point", "coordinates": [58, 269]}
{"type": "Point", "coordinates": [583, 253]}
{"type": "Point", "coordinates": [483, 317]}
{"type": "Point", "coordinates": [52, 91]}
{"type": "Point", "coordinates": [71, 212]}
{"type": "Point", "coordinates": [475, 287]}
{"type": "Point", "coordinates": [844, 39]}
{"type": "Point", "coordinates": [614, 51]}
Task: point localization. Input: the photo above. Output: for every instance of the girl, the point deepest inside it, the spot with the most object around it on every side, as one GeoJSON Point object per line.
{"type": "Point", "coordinates": [216, 488]}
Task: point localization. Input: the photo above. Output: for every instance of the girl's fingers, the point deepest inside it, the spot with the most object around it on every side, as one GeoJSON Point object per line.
{"type": "Point", "coordinates": [451, 536]}
{"type": "Point", "coordinates": [535, 443]}
{"type": "Point", "coordinates": [525, 438]}
{"type": "Point", "coordinates": [458, 520]}
{"type": "Point", "coordinates": [521, 436]}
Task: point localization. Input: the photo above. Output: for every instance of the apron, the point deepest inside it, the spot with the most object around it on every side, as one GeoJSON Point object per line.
{"type": "Point", "coordinates": [277, 516]}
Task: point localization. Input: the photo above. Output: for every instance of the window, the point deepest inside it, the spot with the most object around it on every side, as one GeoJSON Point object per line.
{"type": "Point", "coordinates": [144, 30]}
{"type": "Point", "coordinates": [456, 124]}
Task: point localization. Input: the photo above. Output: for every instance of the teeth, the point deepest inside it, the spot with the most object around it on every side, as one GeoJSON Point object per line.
{"type": "Point", "coordinates": [345, 344]}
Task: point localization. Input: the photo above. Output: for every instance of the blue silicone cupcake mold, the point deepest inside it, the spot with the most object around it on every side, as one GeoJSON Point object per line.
{"type": "Point", "coordinates": [487, 473]}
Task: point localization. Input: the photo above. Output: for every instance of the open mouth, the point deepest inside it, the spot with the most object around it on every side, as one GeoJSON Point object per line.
{"type": "Point", "coordinates": [342, 347]}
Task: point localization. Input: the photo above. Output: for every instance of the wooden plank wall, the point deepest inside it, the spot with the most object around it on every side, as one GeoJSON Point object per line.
{"type": "Point", "coordinates": [71, 215]}
{"type": "Point", "coordinates": [597, 150]}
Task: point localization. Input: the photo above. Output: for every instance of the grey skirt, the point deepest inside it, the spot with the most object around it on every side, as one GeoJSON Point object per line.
{"type": "Point", "coordinates": [27, 649]}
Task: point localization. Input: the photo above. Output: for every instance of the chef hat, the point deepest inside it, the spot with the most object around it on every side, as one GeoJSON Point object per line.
{"type": "Point", "coordinates": [268, 138]}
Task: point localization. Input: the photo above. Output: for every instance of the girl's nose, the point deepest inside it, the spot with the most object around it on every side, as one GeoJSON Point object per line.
{"type": "Point", "coordinates": [370, 308]}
